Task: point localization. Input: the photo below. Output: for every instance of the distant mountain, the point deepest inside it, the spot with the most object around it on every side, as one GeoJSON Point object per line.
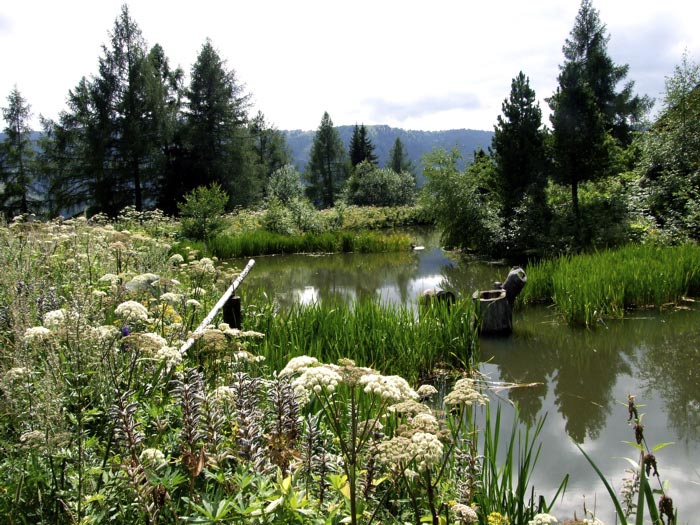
{"type": "Point", "coordinates": [383, 137]}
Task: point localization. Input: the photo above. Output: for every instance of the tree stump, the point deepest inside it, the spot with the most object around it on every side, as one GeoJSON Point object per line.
{"type": "Point", "coordinates": [494, 312]}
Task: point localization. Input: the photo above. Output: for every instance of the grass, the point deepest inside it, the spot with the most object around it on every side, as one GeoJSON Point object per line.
{"type": "Point", "coordinates": [588, 288]}
{"type": "Point", "coordinates": [382, 336]}
{"type": "Point", "coordinates": [261, 242]}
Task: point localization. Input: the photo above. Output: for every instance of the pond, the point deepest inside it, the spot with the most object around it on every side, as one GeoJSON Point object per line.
{"type": "Point", "coordinates": [580, 378]}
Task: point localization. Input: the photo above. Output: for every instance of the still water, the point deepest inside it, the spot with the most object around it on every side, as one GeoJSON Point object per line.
{"type": "Point", "coordinates": [582, 377]}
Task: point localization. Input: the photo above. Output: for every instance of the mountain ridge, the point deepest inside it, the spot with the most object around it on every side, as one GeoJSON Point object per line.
{"type": "Point", "coordinates": [416, 142]}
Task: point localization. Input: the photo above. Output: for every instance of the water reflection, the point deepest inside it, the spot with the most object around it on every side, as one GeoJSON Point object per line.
{"type": "Point", "coordinates": [582, 376]}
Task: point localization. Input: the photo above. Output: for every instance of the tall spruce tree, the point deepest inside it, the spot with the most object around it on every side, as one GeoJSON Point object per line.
{"type": "Point", "coordinates": [398, 158]}
{"type": "Point", "coordinates": [17, 159]}
{"type": "Point", "coordinates": [588, 115]}
{"type": "Point", "coordinates": [217, 138]}
{"type": "Point", "coordinates": [110, 143]}
{"type": "Point", "coordinates": [361, 147]}
{"type": "Point", "coordinates": [518, 147]}
{"type": "Point", "coordinates": [269, 147]}
{"type": "Point", "coordinates": [328, 165]}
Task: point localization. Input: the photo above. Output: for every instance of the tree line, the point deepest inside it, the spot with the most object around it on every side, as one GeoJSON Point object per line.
{"type": "Point", "coordinates": [601, 175]}
{"type": "Point", "coordinates": [135, 135]}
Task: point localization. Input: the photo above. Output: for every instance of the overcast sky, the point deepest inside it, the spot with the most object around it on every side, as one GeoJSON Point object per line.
{"type": "Point", "coordinates": [415, 65]}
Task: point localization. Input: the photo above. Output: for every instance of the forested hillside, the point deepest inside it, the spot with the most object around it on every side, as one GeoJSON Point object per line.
{"type": "Point", "coordinates": [416, 142]}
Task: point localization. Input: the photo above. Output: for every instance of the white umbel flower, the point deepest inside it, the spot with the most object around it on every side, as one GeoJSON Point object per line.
{"type": "Point", "coordinates": [131, 311]}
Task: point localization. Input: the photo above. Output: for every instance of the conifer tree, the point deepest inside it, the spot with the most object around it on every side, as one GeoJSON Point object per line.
{"type": "Point", "coordinates": [217, 140]}
{"type": "Point", "coordinates": [517, 147]}
{"type": "Point", "coordinates": [588, 115]}
{"type": "Point", "coordinates": [17, 159]}
{"type": "Point", "coordinates": [361, 147]}
{"type": "Point", "coordinates": [398, 158]}
{"type": "Point", "coordinates": [328, 165]}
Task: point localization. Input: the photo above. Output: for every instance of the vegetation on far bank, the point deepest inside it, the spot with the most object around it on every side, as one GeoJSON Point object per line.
{"type": "Point", "coordinates": [588, 288]}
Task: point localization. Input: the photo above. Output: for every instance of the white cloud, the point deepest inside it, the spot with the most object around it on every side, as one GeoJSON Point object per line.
{"type": "Point", "coordinates": [441, 65]}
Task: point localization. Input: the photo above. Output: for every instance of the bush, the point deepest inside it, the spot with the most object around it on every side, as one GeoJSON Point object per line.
{"type": "Point", "coordinates": [369, 186]}
{"type": "Point", "coordinates": [202, 212]}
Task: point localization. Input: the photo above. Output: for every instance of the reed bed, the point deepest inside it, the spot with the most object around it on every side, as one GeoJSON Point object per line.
{"type": "Point", "coordinates": [393, 338]}
{"type": "Point", "coordinates": [588, 288]}
{"type": "Point", "coordinates": [261, 242]}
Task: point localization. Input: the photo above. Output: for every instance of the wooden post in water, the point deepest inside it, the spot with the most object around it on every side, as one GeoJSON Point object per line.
{"type": "Point", "coordinates": [218, 306]}
{"type": "Point", "coordinates": [494, 313]}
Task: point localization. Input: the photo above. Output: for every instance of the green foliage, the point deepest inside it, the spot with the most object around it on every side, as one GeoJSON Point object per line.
{"type": "Point", "coordinates": [361, 147]}
{"type": "Point", "coordinates": [202, 212]}
{"type": "Point", "coordinates": [398, 158]}
{"type": "Point", "coordinates": [457, 200]}
{"type": "Point", "coordinates": [505, 483]}
{"type": "Point", "coordinates": [328, 165]}
{"type": "Point", "coordinates": [588, 288]}
{"type": "Point", "coordinates": [669, 163]}
{"type": "Point", "coordinates": [371, 334]}
{"type": "Point", "coordinates": [284, 184]}
{"type": "Point", "coordinates": [18, 177]}
{"type": "Point", "coordinates": [371, 186]}
{"type": "Point", "coordinates": [263, 242]}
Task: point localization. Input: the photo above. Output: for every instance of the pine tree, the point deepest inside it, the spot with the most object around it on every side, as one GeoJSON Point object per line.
{"type": "Point", "coordinates": [587, 46]}
{"type": "Point", "coordinates": [518, 147]}
{"type": "Point", "coordinates": [361, 147]}
{"type": "Point", "coordinates": [17, 159]}
{"type": "Point", "coordinates": [269, 148]}
{"type": "Point", "coordinates": [328, 165]}
{"type": "Point", "coordinates": [398, 158]}
{"type": "Point", "coordinates": [216, 136]}
{"type": "Point", "coordinates": [588, 115]}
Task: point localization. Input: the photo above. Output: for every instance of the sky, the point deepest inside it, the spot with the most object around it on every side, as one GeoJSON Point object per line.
{"type": "Point", "coordinates": [409, 64]}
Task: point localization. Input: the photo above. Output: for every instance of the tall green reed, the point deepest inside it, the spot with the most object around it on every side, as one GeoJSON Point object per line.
{"type": "Point", "coordinates": [396, 339]}
{"type": "Point", "coordinates": [261, 242]}
{"type": "Point", "coordinates": [588, 288]}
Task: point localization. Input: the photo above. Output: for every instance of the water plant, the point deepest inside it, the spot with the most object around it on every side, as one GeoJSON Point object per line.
{"type": "Point", "coordinates": [642, 469]}
{"type": "Point", "coordinates": [589, 288]}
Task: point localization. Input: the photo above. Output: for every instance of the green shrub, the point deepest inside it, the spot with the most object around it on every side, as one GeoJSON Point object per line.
{"type": "Point", "coordinates": [202, 212]}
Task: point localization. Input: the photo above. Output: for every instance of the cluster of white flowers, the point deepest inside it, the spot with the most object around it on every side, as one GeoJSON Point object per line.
{"type": "Point", "coordinates": [392, 388]}
{"type": "Point", "coordinates": [132, 311]}
{"type": "Point", "coordinates": [171, 298]}
{"type": "Point", "coordinates": [110, 279]}
{"type": "Point", "coordinates": [198, 291]}
{"type": "Point", "coordinates": [426, 391]}
{"type": "Point", "coordinates": [55, 319]}
{"type": "Point", "coordinates": [542, 519]}
{"type": "Point", "coordinates": [153, 458]}
{"type": "Point", "coordinates": [16, 374]}
{"type": "Point", "coordinates": [143, 282]}
{"type": "Point", "coordinates": [170, 355]}
{"type": "Point", "coordinates": [204, 266]}
{"type": "Point", "coordinates": [425, 422]}
{"type": "Point", "coordinates": [105, 333]}
{"type": "Point", "coordinates": [409, 408]}
{"type": "Point", "coordinates": [395, 452]}
{"type": "Point", "coordinates": [316, 379]}
{"type": "Point", "coordinates": [176, 259]}
{"type": "Point", "coordinates": [464, 513]}
{"type": "Point", "coordinates": [465, 393]}
{"type": "Point", "coordinates": [99, 294]}
{"type": "Point", "coordinates": [37, 334]}
{"type": "Point", "coordinates": [193, 303]}
{"type": "Point", "coordinates": [32, 438]}
{"type": "Point", "coordinates": [428, 449]}
{"type": "Point", "coordinates": [298, 364]}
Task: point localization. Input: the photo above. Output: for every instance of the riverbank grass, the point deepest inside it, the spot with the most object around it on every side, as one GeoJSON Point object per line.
{"type": "Point", "coordinates": [588, 288]}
